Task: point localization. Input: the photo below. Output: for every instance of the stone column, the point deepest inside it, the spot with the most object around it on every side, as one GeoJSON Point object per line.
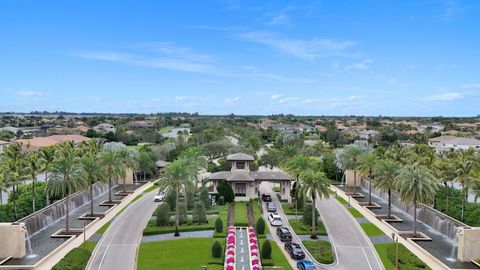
{"type": "Point", "coordinates": [12, 239]}
{"type": "Point", "coordinates": [468, 244]}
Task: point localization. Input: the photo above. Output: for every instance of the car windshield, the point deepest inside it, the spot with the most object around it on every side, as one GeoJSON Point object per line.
{"type": "Point", "coordinates": [277, 218]}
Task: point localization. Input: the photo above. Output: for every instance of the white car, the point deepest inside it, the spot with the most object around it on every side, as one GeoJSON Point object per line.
{"type": "Point", "coordinates": [274, 219]}
{"type": "Point", "coordinates": [159, 197]}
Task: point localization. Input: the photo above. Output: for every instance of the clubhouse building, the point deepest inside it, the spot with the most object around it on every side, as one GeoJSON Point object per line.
{"type": "Point", "coordinates": [245, 183]}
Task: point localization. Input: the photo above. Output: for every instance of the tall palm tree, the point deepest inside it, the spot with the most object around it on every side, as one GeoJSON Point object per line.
{"type": "Point", "coordinates": [47, 156]}
{"type": "Point", "coordinates": [113, 166]}
{"type": "Point", "coordinates": [32, 169]}
{"type": "Point", "coordinates": [313, 184]}
{"type": "Point", "coordinates": [464, 170]}
{"type": "Point", "coordinates": [93, 172]}
{"type": "Point", "coordinates": [178, 176]}
{"type": "Point", "coordinates": [126, 158]}
{"type": "Point", "coordinates": [384, 179]}
{"type": "Point", "coordinates": [297, 166]}
{"type": "Point", "coordinates": [3, 185]}
{"type": "Point", "coordinates": [66, 178]}
{"type": "Point", "coordinates": [13, 161]}
{"type": "Point", "coordinates": [415, 184]}
{"type": "Point", "coordinates": [400, 154]}
{"type": "Point", "coordinates": [365, 167]}
{"type": "Point", "coordinates": [350, 158]}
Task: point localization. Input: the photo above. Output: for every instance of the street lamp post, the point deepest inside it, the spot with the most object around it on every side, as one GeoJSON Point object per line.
{"type": "Point", "coordinates": [395, 240]}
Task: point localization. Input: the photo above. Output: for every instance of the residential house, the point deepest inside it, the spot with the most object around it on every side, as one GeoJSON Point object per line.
{"type": "Point", "coordinates": [443, 143]}
{"type": "Point", "coordinates": [105, 128]}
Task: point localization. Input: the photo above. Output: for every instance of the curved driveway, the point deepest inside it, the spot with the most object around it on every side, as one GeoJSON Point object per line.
{"type": "Point", "coordinates": [117, 250]}
{"type": "Point", "coordinates": [352, 246]}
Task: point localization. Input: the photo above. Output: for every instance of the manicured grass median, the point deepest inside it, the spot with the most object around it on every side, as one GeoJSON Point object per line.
{"type": "Point", "coordinates": [185, 254]}
{"type": "Point", "coordinates": [355, 213]}
{"type": "Point", "coordinates": [407, 260]}
{"type": "Point", "coordinates": [341, 200]}
{"type": "Point", "coordinates": [301, 229]}
{"type": "Point", "coordinates": [289, 209]}
{"type": "Point", "coordinates": [320, 250]}
{"type": "Point", "coordinates": [77, 258]}
{"type": "Point", "coordinates": [278, 259]}
{"type": "Point", "coordinates": [152, 229]}
{"type": "Point", "coordinates": [371, 230]}
{"type": "Point", "coordinates": [241, 218]}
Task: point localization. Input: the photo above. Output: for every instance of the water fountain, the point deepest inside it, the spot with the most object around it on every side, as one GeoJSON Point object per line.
{"type": "Point", "coordinates": [28, 242]}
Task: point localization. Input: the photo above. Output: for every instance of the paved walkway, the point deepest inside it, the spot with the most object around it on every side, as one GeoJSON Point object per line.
{"type": "Point", "coordinates": [353, 248]}
{"type": "Point", "coordinates": [117, 250]}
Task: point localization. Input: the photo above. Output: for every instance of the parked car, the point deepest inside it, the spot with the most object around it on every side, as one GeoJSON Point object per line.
{"type": "Point", "coordinates": [274, 219]}
{"type": "Point", "coordinates": [266, 197]}
{"type": "Point", "coordinates": [284, 234]}
{"type": "Point", "coordinates": [305, 265]}
{"type": "Point", "coordinates": [271, 207]}
{"type": "Point", "coordinates": [295, 251]}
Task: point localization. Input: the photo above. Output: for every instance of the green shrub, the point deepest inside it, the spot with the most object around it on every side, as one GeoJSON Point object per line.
{"type": "Point", "coordinates": [199, 213]}
{"type": "Point", "coordinates": [226, 191]}
{"type": "Point", "coordinates": [216, 250]}
{"type": "Point", "coordinates": [260, 226]}
{"type": "Point", "coordinates": [406, 259]}
{"type": "Point", "coordinates": [221, 200]}
{"type": "Point", "coordinates": [163, 214]}
{"type": "Point", "coordinates": [307, 214]}
{"type": "Point", "coordinates": [203, 197]}
{"type": "Point", "coordinates": [183, 213]}
{"type": "Point", "coordinates": [320, 250]}
{"type": "Point", "coordinates": [170, 199]}
{"type": "Point", "coordinates": [77, 258]}
{"type": "Point", "coordinates": [266, 250]}
{"type": "Point", "coordinates": [218, 225]}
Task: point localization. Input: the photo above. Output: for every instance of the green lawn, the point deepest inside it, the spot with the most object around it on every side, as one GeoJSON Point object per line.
{"type": "Point", "coordinates": [407, 260]}
{"type": "Point", "coordinates": [320, 250]}
{"type": "Point", "coordinates": [185, 254]}
{"type": "Point", "coordinates": [278, 259]}
{"type": "Point", "coordinates": [355, 212]}
{"type": "Point", "coordinates": [77, 258]}
{"type": "Point", "coordinates": [371, 230]}
{"type": "Point", "coordinates": [289, 209]}
{"type": "Point", "coordinates": [222, 214]}
{"type": "Point", "coordinates": [152, 229]}
{"type": "Point", "coordinates": [241, 218]}
{"type": "Point", "coordinates": [104, 227]}
{"type": "Point", "coordinates": [165, 130]}
{"type": "Point", "coordinates": [341, 200]}
{"type": "Point", "coordinates": [301, 229]}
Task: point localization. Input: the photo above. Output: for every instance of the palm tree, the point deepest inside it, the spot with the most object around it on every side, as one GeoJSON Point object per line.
{"type": "Point", "coordinates": [313, 184]}
{"type": "Point", "coordinates": [13, 161]}
{"type": "Point", "coordinates": [384, 179]}
{"type": "Point", "coordinates": [400, 154]}
{"type": "Point", "coordinates": [297, 166]}
{"type": "Point", "coordinates": [178, 177]}
{"type": "Point", "coordinates": [32, 169]}
{"type": "Point", "coordinates": [415, 184]}
{"type": "Point", "coordinates": [126, 158]}
{"type": "Point", "coordinates": [93, 172]}
{"type": "Point", "coordinates": [113, 166]}
{"type": "Point", "coordinates": [365, 167]}
{"type": "Point", "coordinates": [464, 170]}
{"type": "Point", "coordinates": [3, 185]}
{"type": "Point", "coordinates": [350, 158]}
{"type": "Point", "coordinates": [67, 177]}
{"type": "Point", "coordinates": [47, 156]}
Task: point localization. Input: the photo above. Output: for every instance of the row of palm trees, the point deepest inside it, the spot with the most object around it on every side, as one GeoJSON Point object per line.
{"type": "Point", "coordinates": [415, 173]}
{"type": "Point", "coordinates": [68, 168]}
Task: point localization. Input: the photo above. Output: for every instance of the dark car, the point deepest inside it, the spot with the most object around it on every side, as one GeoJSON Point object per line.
{"type": "Point", "coordinates": [295, 251]}
{"type": "Point", "coordinates": [284, 234]}
{"type": "Point", "coordinates": [266, 197]}
{"type": "Point", "coordinates": [305, 265]}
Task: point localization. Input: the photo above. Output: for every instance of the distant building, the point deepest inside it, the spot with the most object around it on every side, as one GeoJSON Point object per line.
{"type": "Point", "coordinates": [320, 128]}
{"type": "Point", "coordinates": [141, 124]}
{"type": "Point", "coordinates": [431, 127]}
{"type": "Point", "coordinates": [368, 134]}
{"type": "Point", "coordinates": [443, 143]}
{"type": "Point", "coordinates": [40, 142]}
{"type": "Point", "coordinates": [245, 183]}
{"type": "Point", "coordinates": [105, 128]}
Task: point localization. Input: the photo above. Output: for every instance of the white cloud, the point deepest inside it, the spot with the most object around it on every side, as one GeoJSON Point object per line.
{"type": "Point", "coordinates": [470, 86]}
{"type": "Point", "coordinates": [231, 100]}
{"type": "Point", "coordinates": [445, 97]}
{"type": "Point", "coordinates": [30, 93]}
{"type": "Point", "coordinates": [288, 100]}
{"type": "Point", "coordinates": [276, 96]}
{"type": "Point", "coordinates": [304, 49]}
{"type": "Point", "coordinates": [183, 98]}
{"type": "Point", "coordinates": [363, 65]}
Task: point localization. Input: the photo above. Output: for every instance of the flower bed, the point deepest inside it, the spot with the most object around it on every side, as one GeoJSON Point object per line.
{"type": "Point", "coordinates": [253, 249]}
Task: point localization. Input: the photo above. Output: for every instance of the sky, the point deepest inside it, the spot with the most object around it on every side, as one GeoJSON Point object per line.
{"type": "Point", "coordinates": [349, 57]}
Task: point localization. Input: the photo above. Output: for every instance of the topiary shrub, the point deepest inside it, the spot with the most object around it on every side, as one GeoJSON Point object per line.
{"type": "Point", "coordinates": [218, 225]}
{"type": "Point", "coordinates": [163, 214]}
{"type": "Point", "coordinates": [266, 250]}
{"type": "Point", "coordinates": [216, 250]}
{"type": "Point", "coordinates": [221, 200]}
{"type": "Point", "coordinates": [204, 198]}
{"type": "Point", "coordinates": [260, 226]}
{"type": "Point", "coordinates": [199, 213]}
{"type": "Point", "coordinates": [226, 191]}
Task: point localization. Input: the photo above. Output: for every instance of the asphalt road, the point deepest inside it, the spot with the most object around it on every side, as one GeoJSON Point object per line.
{"type": "Point", "coordinates": [117, 250]}
{"type": "Point", "coordinates": [353, 248]}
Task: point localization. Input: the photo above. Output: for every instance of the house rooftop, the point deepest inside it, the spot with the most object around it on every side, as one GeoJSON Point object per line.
{"type": "Point", "coordinates": [240, 157]}
{"type": "Point", "coordinates": [39, 142]}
